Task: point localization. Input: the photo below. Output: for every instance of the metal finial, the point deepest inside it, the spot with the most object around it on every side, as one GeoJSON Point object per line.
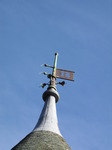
{"type": "Point", "coordinates": [57, 73]}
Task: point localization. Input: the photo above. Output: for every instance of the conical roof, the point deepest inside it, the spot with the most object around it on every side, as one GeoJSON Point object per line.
{"type": "Point", "coordinates": [42, 140]}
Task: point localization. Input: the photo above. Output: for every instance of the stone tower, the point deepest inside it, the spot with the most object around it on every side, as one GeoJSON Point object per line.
{"type": "Point", "coordinates": [46, 134]}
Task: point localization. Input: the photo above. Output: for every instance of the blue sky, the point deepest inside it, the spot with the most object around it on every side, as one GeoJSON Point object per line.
{"type": "Point", "coordinates": [81, 32]}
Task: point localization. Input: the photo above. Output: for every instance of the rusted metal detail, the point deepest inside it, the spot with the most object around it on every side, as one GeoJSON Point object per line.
{"type": "Point", "coordinates": [65, 74]}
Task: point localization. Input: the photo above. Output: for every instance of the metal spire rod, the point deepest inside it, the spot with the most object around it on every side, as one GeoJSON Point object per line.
{"type": "Point", "coordinates": [53, 77]}
{"type": "Point", "coordinates": [55, 64]}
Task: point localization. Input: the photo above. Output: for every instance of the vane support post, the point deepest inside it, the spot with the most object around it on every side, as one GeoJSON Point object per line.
{"type": "Point", "coordinates": [53, 77]}
{"type": "Point", "coordinates": [55, 65]}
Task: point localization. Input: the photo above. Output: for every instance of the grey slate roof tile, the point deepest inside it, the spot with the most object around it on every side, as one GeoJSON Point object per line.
{"type": "Point", "coordinates": [42, 140]}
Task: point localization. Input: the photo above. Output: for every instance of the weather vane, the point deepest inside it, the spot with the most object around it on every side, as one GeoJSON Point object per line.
{"type": "Point", "coordinates": [57, 73]}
